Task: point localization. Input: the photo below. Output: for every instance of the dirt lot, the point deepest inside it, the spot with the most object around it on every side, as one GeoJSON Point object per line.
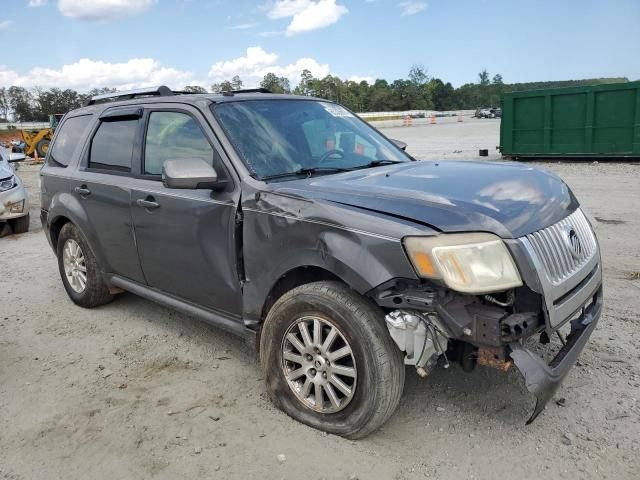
{"type": "Point", "coordinates": [133, 390]}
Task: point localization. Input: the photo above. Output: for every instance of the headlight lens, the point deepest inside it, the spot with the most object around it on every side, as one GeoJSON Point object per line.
{"type": "Point", "coordinates": [7, 184]}
{"type": "Point", "coordinates": [473, 263]}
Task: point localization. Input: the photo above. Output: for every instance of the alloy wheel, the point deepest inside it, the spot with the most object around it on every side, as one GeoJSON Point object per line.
{"type": "Point", "coordinates": [319, 364]}
{"type": "Point", "coordinates": [75, 267]}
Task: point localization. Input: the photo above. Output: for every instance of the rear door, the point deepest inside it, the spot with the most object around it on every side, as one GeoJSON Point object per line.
{"type": "Point", "coordinates": [103, 189]}
{"type": "Point", "coordinates": [186, 238]}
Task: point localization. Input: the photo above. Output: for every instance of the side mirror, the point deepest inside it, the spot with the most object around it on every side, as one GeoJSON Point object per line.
{"type": "Point", "coordinates": [16, 157]}
{"type": "Point", "coordinates": [189, 173]}
{"type": "Point", "coordinates": [398, 143]}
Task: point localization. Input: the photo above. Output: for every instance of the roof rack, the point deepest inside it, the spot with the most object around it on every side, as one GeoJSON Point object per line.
{"type": "Point", "coordinates": [161, 91]}
{"type": "Point", "coordinates": [247, 90]}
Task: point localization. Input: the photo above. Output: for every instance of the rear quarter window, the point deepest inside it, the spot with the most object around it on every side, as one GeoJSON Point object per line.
{"type": "Point", "coordinates": [70, 134]}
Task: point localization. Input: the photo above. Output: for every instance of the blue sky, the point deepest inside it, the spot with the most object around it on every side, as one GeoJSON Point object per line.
{"type": "Point", "coordinates": [125, 43]}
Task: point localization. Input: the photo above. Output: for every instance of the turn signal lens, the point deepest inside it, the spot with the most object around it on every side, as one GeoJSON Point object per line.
{"type": "Point", "coordinates": [424, 265]}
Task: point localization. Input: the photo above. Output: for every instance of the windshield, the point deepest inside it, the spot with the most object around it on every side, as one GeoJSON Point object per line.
{"type": "Point", "coordinates": [284, 138]}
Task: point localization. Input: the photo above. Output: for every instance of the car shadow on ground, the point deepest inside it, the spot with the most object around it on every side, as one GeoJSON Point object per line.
{"type": "Point", "coordinates": [484, 395]}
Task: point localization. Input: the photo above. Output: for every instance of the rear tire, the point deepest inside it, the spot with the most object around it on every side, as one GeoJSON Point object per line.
{"type": "Point", "coordinates": [376, 363]}
{"type": "Point", "coordinates": [20, 225]}
{"type": "Point", "coordinates": [79, 270]}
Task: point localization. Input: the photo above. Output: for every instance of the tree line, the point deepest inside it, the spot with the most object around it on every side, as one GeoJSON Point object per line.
{"type": "Point", "coordinates": [419, 91]}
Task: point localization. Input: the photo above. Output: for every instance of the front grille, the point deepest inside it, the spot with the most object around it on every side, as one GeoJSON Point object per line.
{"type": "Point", "coordinates": [565, 247]}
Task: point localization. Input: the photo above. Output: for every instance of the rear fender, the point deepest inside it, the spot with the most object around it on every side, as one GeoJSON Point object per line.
{"type": "Point", "coordinates": [65, 205]}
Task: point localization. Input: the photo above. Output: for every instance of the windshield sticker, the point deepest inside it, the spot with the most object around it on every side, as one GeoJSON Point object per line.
{"type": "Point", "coordinates": [336, 110]}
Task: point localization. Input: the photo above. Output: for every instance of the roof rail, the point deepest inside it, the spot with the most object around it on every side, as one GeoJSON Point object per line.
{"type": "Point", "coordinates": [161, 91]}
{"type": "Point", "coordinates": [249, 90]}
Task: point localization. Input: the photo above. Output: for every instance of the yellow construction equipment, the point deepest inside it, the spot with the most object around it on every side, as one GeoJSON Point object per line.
{"type": "Point", "coordinates": [37, 141]}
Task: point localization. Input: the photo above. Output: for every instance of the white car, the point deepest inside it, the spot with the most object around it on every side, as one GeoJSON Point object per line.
{"type": "Point", "coordinates": [14, 204]}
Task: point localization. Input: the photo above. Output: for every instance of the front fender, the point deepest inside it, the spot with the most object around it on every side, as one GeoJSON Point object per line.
{"type": "Point", "coordinates": [277, 244]}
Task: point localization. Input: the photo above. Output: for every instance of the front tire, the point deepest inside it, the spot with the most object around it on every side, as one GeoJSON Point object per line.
{"type": "Point", "coordinates": [81, 275]}
{"type": "Point", "coordinates": [329, 361]}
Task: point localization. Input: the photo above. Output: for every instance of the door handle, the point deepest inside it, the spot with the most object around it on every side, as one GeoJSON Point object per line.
{"type": "Point", "coordinates": [83, 191]}
{"type": "Point", "coordinates": [149, 203]}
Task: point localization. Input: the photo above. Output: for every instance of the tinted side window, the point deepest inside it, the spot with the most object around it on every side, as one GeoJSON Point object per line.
{"type": "Point", "coordinates": [171, 136]}
{"type": "Point", "coordinates": [112, 145]}
{"type": "Point", "coordinates": [72, 131]}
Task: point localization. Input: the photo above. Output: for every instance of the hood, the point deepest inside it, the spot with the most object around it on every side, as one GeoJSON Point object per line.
{"type": "Point", "coordinates": [507, 199]}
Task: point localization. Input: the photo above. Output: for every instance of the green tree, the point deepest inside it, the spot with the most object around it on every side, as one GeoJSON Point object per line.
{"type": "Point", "coordinates": [418, 75]}
{"type": "Point", "coordinates": [380, 96]}
{"type": "Point", "coordinates": [194, 89]}
{"type": "Point", "coordinates": [22, 104]}
{"type": "Point", "coordinates": [443, 95]}
{"type": "Point", "coordinates": [236, 83]}
{"type": "Point", "coordinates": [5, 106]}
{"type": "Point", "coordinates": [275, 84]}
{"type": "Point", "coordinates": [55, 100]}
{"type": "Point", "coordinates": [305, 87]}
{"type": "Point", "coordinates": [225, 86]}
{"type": "Point", "coordinates": [483, 77]}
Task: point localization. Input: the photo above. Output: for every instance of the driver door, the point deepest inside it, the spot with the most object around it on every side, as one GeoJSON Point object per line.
{"type": "Point", "coordinates": [185, 238]}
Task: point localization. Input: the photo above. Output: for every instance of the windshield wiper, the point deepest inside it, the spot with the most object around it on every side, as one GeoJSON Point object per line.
{"type": "Point", "coordinates": [306, 172]}
{"type": "Point", "coordinates": [376, 163]}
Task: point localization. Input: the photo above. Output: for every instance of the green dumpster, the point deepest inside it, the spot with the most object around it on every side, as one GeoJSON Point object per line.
{"type": "Point", "coordinates": [587, 121]}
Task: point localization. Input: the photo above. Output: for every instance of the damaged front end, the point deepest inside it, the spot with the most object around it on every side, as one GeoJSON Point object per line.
{"type": "Point", "coordinates": [429, 321]}
{"type": "Point", "coordinates": [420, 336]}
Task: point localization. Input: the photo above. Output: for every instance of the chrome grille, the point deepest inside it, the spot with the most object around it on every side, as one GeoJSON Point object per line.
{"type": "Point", "coordinates": [565, 247]}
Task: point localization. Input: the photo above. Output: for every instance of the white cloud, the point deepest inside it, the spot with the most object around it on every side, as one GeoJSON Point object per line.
{"type": "Point", "coordinates": [411, 7]}
{"type": "Point", "coordinates": [317, 15]}
{"type": "Point", "coordinates": [287, 8]}
{"type": "Point", "coordinates": [86, 74]}
{"type": "Point", "coordinates": [307, 15]}
{"type": "Point", "coordinates": [241, 26]}
{"type": "Point", "coordinates": [255, 59]}
{"type": "Point", "coordinates": [252, 67]}
{"type": "Point", "coordinates": [4, 24]}
{"type": "Point", "coordinates": [37, 3]}
{"type": "Point", "coordinates": [7, 77]}
{"type": "Point", "coordinates": [102, 10]}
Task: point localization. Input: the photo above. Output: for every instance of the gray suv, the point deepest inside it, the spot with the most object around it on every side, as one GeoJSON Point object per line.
{"type": "Point", "coordinates": [291, 222]}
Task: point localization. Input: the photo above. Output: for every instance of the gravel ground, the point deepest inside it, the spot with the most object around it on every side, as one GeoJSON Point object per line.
{"type": "Point", "coordinates": [133, 390]}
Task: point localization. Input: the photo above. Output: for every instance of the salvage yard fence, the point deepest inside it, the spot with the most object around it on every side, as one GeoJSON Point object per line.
{"type": "Point", "coordinates": [24, 125]}
{"type": "Point", "coordinates": [416, 113]}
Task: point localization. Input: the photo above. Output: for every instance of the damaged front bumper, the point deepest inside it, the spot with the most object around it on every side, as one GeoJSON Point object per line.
{"type": "Point", "coordinates": [543, 379]}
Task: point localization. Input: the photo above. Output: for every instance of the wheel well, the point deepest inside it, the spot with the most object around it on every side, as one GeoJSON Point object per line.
{"type": "Point", "coordinates": [56, 226]}
{"type": "Point", "coordinates": [292, 279]}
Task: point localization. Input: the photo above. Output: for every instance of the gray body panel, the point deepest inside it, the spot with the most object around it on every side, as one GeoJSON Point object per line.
{"type": "Point", "coordinates": [283, 232]}
{"type": "Point", "coordinates": [186, 245]}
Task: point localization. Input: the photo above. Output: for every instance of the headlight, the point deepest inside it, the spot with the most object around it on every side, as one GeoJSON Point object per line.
{"type": "Point", "coordinates": [7, 184]}
{"type": "Point", "coordinates": [467, 262]}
